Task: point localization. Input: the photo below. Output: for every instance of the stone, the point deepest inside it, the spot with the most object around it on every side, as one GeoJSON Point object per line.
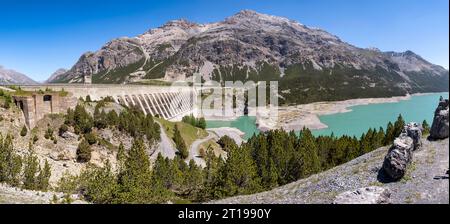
{"type": "Point", "coordinates": [69, 136]}
{"type": "Point", "coordinates": [367, 195]}
{"type": "Point", "coordinates": [398, 157]}
{"type": "Point", "coordinates": [414, 131]}
{"type": "Point", "coordinates": [64, 154]}
{"type": "Point", "coordinates": [439, 128]}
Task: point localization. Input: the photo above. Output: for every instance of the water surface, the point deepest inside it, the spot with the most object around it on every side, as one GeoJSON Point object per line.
{"type": "Point", "coordinates": [359, 120]}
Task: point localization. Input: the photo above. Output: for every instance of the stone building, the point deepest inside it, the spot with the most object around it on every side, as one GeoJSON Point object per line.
{"type": "Point", "coordinates": [36, 105]}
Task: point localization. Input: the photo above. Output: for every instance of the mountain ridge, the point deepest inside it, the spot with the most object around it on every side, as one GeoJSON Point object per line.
{"type": "Point", "coordinates": [10, 76]}
{"type": "Point", "coordinates": [255, 46]}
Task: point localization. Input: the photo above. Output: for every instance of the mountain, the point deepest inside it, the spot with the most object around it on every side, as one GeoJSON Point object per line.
{"type": "Point", "coordinates": [309, 63]}
{"type": "Point", "coordinates": [8, 76]}
{"type": "Point", "coordinates": [56, 74]}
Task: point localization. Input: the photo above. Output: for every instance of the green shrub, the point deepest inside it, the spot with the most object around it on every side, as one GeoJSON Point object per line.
{"type": "Point", "coordinates": [24, 131]}
{"type": "Point", "coordinates": [63, 129]}
{"type": "Point", "coordinates": [84, 152]}
{"type": "Point", "coordinates": [90, 138]}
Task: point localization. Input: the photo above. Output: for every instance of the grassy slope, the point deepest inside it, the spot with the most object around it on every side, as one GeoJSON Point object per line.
{"type": "Point", "coordinates": [188, 132]}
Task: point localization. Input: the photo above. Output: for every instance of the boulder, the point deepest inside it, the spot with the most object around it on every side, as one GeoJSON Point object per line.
{"type": "Point", "coordinates": [367, 195]}
{"type": "Point", "coordinates": [439, 128]}
{"type": "Point", "coordinates": [64, 154]}
{"type": "Point", "coordinates": [398, 157]}
{"type": "Point", "coordinates": [414, 131]}
{"type": "Point", "coordinates": [69, 136]}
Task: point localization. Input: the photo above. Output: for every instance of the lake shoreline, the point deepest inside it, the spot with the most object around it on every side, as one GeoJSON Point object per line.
{"type": "Point", "coordinates": [295, 118]}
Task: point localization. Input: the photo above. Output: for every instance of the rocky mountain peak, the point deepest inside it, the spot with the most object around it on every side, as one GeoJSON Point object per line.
{"type": "Point", "coordinates": [250, 17]}
{"type": "Point", "coordinates": [181, 23]}
{"type": "Point", "coordinates": [250, 44]}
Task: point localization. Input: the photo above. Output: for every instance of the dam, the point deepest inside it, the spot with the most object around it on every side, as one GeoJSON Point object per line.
{"type": "Point", "coordinates": [168, 102]}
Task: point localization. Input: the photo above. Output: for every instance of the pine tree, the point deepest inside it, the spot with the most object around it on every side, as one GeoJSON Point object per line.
{"type": "Point", "coordinates": [44, 177]}
{"type": "Point", "coordinates": [379, 139]}
{"type": "Point", "coordinates": [161, 172]}
{"type": "Point", "coordinates": [202, 123]}
{"type": "Point", "coordinates": [83, 121]}
{"type": "Point", "coordinates": [112, 118]}
{"type": "Point", "coordinates": [366, 142]}
{"type": "Point", "coordinates": [10, 162]}
{"type": "Point", "coordinates": [135, 179]}
{"type": "Point", "coordinates": [84, 152]}
{"type": "Point", "coordinates": [179, 142]}
{"type": "Point", "coordinates": [227, 143]}
{"type": "Point", "coordinates": [425, 127]}
{"type": "Point", "coordinates": [30, 171]}
{"type": "Point", "coordinates": [121, 157]}
{"type": "Point", "coordinates": [308, 154]}
{"type": "Point", "coordinates": [100, 118]}
{"type": "Point", "coordinates": [239, 174]}
{"type": "Point", "coordinates": [24, 131]}
{"type": "Point", "coordinates": [101, 187]}
{"type": "Point", "coordinates": [390, 134]}
{"type": "Point", "coordinates": [399, 125]}
{"type": "Point", "coordinates": [193, 180]}
{"type": "Point", "coordinates": [177, 170]}
{"type": "Point", "coordinates": [271, 179]}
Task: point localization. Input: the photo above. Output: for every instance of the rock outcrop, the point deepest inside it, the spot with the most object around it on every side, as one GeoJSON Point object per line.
{"type": "Point", "coordinates": [439, 128]}
{"type": "Point", "coordinates": [367, 195]}
{"type": "Point", "coordinates": [401, 152]}
{"type": "Point", "coordinates": [414, 131]}
{"type": "Point", "coordinates": [398, 157]}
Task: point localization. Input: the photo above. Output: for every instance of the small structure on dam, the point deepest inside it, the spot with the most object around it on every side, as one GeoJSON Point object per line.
{"type": "Point", "coordinates": [35, 105]}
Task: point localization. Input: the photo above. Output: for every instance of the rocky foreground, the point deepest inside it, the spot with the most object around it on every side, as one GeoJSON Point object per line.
{"type": "Point", "coordinates": [13, 195]}
{"type": "Point", "coordinates": [425, 182]}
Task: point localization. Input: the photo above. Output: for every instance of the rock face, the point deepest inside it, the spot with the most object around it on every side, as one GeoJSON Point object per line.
{"type": "Point", "coordinates": [439, 128]}
{"type": "Point", "coordinates": [398, 157]}
{"type": "Point", "coordinates": [367, 195]}
{"type": "Point", "coordinates": [255, 46]}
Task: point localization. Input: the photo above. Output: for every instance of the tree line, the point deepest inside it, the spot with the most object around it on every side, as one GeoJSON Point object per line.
{"type": "Point", "coordinates": [196, 122]}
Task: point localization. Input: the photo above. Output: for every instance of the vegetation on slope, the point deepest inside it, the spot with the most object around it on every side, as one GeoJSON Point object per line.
{"type": "Point", "coordinates": [188, 132]}
{"type": "Point", "coordinates": [264, 162]}
{"type": "Point", "coordinates": [22, 171]}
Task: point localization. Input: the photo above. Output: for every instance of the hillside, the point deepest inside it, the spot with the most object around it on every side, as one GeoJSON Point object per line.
{"type": "Point", "coordinates": [310, 64]}
{"type": "Point", "coordinates": [425, 182]}
{"type": "Point", "coordinates": [9, 76]}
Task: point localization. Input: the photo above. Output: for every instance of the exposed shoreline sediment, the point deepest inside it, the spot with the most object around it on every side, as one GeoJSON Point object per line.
{"type": "Point", "coordinates": [307, 115]}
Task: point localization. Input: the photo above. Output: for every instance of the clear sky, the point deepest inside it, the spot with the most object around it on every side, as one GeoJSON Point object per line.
{"type": "Point", "coordinates": [38, 37]}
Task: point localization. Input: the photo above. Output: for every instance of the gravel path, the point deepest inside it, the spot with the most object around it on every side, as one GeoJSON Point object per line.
{"type": "Point", "coordinates": [194, 150]}
{"type": "Point", "coordinates": [166, 147]}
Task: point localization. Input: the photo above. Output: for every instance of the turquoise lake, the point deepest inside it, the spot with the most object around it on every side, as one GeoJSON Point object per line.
{"type": "Point", "coordinates": [360, 119]}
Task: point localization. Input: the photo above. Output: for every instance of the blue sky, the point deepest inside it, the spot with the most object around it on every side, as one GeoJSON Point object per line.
{"type": "Point", "coordinates": [38, 37]}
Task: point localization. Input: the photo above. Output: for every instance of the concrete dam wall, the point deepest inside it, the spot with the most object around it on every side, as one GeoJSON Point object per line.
{"type": "Point", "coordinates": [168, 102]}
